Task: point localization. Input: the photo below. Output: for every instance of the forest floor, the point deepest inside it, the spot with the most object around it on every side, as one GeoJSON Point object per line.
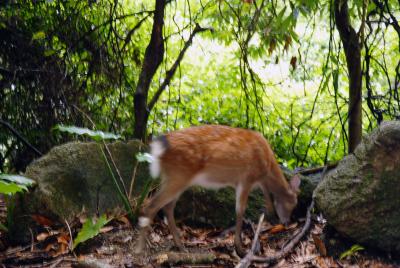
{"type": "Point", "coordinates": [207, 247]}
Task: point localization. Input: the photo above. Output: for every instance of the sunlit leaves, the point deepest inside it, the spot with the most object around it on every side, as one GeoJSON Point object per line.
{"type": "Point", "coordinates": [38, 35]}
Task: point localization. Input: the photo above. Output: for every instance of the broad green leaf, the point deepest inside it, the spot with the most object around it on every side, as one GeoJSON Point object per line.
{"type": "Point", "coordinates": [96, 135]}
{"type": "Point", "coordinates": [17, 179]}
{"type": "Point", "coordinates": [38, 35]}
{"type": "Point", "coordinates": [11, 188]}
{"type": "Point", "coordinates": [90, 229]}
{"type": "Point", "coordinates": [144, 157]}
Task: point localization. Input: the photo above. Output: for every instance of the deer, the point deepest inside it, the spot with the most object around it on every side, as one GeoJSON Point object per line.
{"type": "Point", "coordinates": [215, 156]}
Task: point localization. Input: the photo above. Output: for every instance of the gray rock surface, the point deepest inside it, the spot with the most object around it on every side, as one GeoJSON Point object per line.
{"type": "Point", "coordinates": [74, 177]}
{"type": "Point", "coordinates": [361, 197]}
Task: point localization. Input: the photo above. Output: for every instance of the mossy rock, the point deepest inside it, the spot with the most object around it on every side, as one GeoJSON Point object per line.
{"type": "Point", "coordinates": [74, 177]}
{"type": "Point", "coordinates": [360, 198]}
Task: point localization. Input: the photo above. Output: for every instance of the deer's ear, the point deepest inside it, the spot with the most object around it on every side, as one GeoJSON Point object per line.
{"type": "Point", "coordinates": [295, 183]}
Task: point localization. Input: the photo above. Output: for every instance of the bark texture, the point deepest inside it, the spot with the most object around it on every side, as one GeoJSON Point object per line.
{"type": "Point", "coordinates": [352, 50]}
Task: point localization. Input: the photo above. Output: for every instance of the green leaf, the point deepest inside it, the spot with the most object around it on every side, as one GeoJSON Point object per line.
{"type": "Point", "coordinates": [11, 188]}
{"type": "Point", "coordinates": [351, 251]}
{"type": "Point", "coordinates": [11, 184]}
{"type": "Point", "coordinates": [49, 52]}
{"type": "Point", "coordinates": [90, 229]}
{"type": "Point", "coordinates": [144, 157]}
{"type": "Point", "coordinates": [38, 35]}
{"type": "Point", "coordinates": [17, 179]}
{"type": "Point", "coordinates": [96, 135]}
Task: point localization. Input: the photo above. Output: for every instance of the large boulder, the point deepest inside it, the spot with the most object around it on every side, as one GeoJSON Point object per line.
{"type": "Point", "coordinates": [361, 197]}
{"type": "Point", "coordinates": [75, 177]}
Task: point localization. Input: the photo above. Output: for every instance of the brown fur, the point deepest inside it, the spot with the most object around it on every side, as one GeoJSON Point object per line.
{"type": "Point", "coordinates": [225, 156]}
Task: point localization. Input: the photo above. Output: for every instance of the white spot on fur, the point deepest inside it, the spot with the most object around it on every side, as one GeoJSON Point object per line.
{"type": "Point", "coordinates": [156, 150]}
{"type": "Point", "coordinates": [239, 190]}
{"type": "Point", "coordinates": [144, 221]}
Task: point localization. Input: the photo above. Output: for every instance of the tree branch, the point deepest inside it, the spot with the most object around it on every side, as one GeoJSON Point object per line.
{"type": "Point", "coordinates": [170, 73]}
{"type": "Point", "coordinates": [20, 137]}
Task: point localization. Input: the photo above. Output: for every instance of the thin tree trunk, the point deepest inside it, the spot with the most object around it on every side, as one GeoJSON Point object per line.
{"type": "Point", "coordinates": [152, 59]}
{"type": "Point", "coordinates": [352, 50]}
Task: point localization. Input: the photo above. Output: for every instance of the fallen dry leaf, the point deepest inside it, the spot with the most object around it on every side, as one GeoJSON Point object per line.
{"type": "Point", "coordinates": [124, 220]}
{"type": "Point", "coordinates": [155, 238]}
{"type": "Point", "coordinates": [42, 236]}
{"type": "Point", "coordinates": [41, 220]}
{"type": "Point", "coordinates": [319, 244]}
{"type": "Point", "coordinates": [62, 249]}
{"type": "Point", "coordinates": [49, 247]}
{"type": "Point", "coordinates": [325, 262]}
{"type": "Point", "coordinates": [277, 229]}
{"type": "Point", "coordinates": [63, 239]}
{"type": "Point", "coordinates": [106, 229]}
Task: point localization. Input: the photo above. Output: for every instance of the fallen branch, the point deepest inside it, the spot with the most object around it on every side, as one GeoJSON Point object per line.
{"type": "Point", "coordinates": [250, 257]}
{"type": "Point", "coordinates": [310, 171]}
{"type": "Point", "coordinates": [246, 261]}
{"type": "Point", "coordinates": [184, 258]}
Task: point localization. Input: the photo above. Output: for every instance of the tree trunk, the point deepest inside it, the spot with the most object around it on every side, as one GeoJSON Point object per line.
{"type": "Point", "coordinates": [152, 59]}
{"type": "Point", "coordinates": [352, 50]}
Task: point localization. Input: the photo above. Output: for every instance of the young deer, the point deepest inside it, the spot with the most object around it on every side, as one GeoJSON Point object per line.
{"type": "Point", "coordinates": [216, 156]}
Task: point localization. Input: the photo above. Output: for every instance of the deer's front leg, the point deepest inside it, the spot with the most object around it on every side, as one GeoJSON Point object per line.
{"type": "Point", "coordinates": [169, 213]}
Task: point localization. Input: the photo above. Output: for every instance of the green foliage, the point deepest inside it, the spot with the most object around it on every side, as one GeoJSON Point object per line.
{"type": "Point", "coordinates": [38, 36]}
{"type": "Point", "coordinates": [90, 229]}
{"type": "Point", "coordinates": [11, 184]}
{"type": "Point", "coordinates": [350, 252]}
{"type": "Point", "coordinates": [279, 70]}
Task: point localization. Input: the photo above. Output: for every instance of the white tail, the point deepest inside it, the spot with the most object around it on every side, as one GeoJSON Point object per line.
{"type": "Point", "coordinates": [216, 156]}
{"type": "Point", "coordinates": [156, 150]}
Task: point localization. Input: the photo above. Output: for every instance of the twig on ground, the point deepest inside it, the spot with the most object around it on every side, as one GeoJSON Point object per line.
{"type": "Point", "coordinates": [288, 248]}
{"type": "Point", "coordinates": [246, 261]}
{"type": "Point", "coordinates": [70, 243]}
{"type": "Point", "coordinates": [32, 240]}
{"type": "Point", "coordinates": [184, 258]}
{"type": "Point", "coordinates": [56, 262]}
{"type": "Point", "coordinates": [250, 257]}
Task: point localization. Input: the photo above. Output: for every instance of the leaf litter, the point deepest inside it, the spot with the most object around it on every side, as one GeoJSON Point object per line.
{"type": "Point", "coordinates": [206, 247]}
